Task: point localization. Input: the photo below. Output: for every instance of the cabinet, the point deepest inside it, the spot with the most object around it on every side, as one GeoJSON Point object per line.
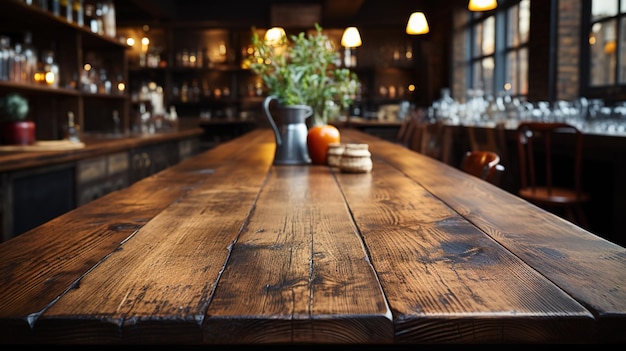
{"type": "Point", "coordinates": [33, 196]}
{"type": "Point", "coordinates": [147, 160]}
{"type": "Point", "coordinates": [92, 72]}
{"type": "Point", "coordinates": [38, 186]}
{"type": "Point", "coordinates": [98, 176]}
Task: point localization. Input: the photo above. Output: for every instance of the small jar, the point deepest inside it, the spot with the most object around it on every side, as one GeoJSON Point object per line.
{"type": "Point", "coordinates": [333, 155]}
{"type": "Point", "coordinates": [356, 158]}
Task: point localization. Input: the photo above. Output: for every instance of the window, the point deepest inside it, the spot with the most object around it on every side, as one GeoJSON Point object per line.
{"type": "Point", "coordinates": [516, 63]}
{"type": "Point", "coordinates": [497, 59]}
{"type": "Point", "coordinates": [604, 50]}
{"type": "Point", "coordinates": [482, 55]}
{"type": "Point", "coordinates": [607, 46]}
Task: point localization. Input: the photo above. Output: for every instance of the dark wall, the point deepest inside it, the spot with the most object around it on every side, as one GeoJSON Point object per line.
{"type": "Point", "coordinates": [541, 53]}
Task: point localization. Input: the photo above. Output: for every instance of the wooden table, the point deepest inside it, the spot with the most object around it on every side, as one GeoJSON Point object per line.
{"type": "Point", "coordinates": [226, 248]}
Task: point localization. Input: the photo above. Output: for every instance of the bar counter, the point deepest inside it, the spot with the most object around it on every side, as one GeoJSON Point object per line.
{"type": "Point", "coordinates": [94, 145]}
{"type": "Point", "coordinates": [225, 248]}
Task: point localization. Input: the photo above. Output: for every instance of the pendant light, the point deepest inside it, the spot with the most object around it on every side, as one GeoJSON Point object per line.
{"type": "Point", "coordinates": [417, 24]}
{"type": "Point", "coordinates": [482, 5]}
{"type": "Point", "coordinates": [350, 40]}
{"type": "Point", "coordinates": [275, 36]}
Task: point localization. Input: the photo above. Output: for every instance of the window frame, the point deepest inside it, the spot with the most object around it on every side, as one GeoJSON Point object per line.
{"type": "Point", "coordinates": [502, 50]}
{"type": "Point", "coordinates": [615, 91]}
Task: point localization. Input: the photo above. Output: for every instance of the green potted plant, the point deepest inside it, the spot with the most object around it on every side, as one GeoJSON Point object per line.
{"type": "Point", "coordinates": [301, 70]}
{"type": "Point", "coordinates": [15, 129]}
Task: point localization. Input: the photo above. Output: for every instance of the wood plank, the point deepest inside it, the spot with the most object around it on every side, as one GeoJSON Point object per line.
{"type": "Point", "coordinates": [299, 272]}
{"type": "Point", "coordinates": [444, 278]}
{"type": "Point", "coordinates": [71, 245]}
{"type": "Point", "coordinates": [584, 265]}
{"type": "Point", "coordinates": [157, 285]}
{"type": "Point", "coordinates": [218, 250]}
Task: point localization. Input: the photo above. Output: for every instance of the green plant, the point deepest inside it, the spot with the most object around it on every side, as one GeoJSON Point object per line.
{"type": "Point", "coordinates": [303, 71]}
{"type": "Point", "coordinates": [13, 107]}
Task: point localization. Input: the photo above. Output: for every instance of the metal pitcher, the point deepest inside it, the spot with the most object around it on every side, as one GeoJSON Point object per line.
{"type": "Point", "coordinates": [291, 146]}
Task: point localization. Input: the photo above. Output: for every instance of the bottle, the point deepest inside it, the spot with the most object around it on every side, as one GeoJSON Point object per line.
{"type": "Point", "coordinates": [30, 56]}
{"type": "Point", "coordinates": [446, 105]}
{"type": "Point", "coordinates": [105, 82]}
{"type": "Point", "coordinates": [172, 119]}
{"type": "Point", "coordinates": [66, 9]}
{"type": "Point", "coordinates": [55, 7]}
{"type": "Point", "coordinates": [108, 14]}
{"type": "Point", "coordinates": [78, 12]}
{"type": "Point", "coordinates": [90, 17]}
{"type": "Point", "coordinates": [6, 57]}
{"type": "Point", "coordinates": [72, 128]}
{"type": "Point", "coordinates": [184, 92]}
{"type": "Point", "coordinates": [97, 23]}
{"type": "Point", "coordinates": [18, 64]}
{"type": "Point", "coordinates": [51, 69]}
{"type": "Point", "coordinates": [173, 114]}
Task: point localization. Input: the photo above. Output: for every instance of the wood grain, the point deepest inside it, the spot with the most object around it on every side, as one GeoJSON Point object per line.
{"type": "Point", "coordinates": [165, 274]}
{"type": "Point", "coordinates": [225, 248]}
{"type": "Point", "coordinates": [584, 265]}
{"type": "Point", "coordinates": [444, 278]}
{"type": "Point", "coordinates": [299, 272]}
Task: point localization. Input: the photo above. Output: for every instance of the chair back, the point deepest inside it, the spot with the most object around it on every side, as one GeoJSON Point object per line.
{"type": "Point", "coordinates": [550, 140]}
{"type": "Point", "coordinates": [408, 128]}
{"type": "Point", "coordinates": [483, 164]}
{"type": "Point", "coordinates": [489, 139]}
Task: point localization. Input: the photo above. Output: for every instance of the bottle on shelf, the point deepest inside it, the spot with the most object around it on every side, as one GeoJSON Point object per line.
{"type": "Point", "coordinates": [96, 23]}
{"type": "Point", "coordinates": [78, 12]}
{"type": "Point", "coordinates": [30, 55]}
{"type": "Point", "coordinates": [105, 83]}
{"type": "Point", "coordinates": [145, 120]}
{"type": "Point", "coordinates": [108, 17]}
{"type": "Point", "coordinates": [6, 57]}
{"type": "Point", "coordinates": [50, 69]}
{"type": "Point", "coordinates": [72, 128]}
{"type": "Point", "coordinates": [66, 9]}
{"type": "Point", "coordinates": [172, 119]}
{"type": "Point", "coordinates": [55, 7]}
{"type": "Point", "coordinates": [17, 73]}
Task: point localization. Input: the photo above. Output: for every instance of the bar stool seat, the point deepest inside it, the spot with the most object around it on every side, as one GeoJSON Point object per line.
{"type": "Point", "coordinates": [483, 164]}
{"type": "Point", "coordinates": [553, 142]}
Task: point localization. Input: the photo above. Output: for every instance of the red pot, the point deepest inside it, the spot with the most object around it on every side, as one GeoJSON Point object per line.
{"type": "Point", "coordinates": [18, 133]}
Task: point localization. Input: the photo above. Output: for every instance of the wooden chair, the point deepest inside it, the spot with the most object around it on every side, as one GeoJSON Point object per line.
{"type": "Point", "coordinates": [560, 145]}
{"type": "Point", "coordinates": [483, 164]}
{"type": "Point", "coordinates": [409, 126]}
{"type": "Point", "coordinates": [432, 139]}
{"type": "Point", "coordinates": [489, 139]}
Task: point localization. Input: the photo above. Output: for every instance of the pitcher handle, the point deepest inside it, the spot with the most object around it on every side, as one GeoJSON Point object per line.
{"type": "Point", "coordinates": [266, 108]}
{"type": "Point", "coordinates": [309, 111]}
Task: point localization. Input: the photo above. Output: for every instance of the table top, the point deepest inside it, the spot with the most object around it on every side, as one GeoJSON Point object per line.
{"type": "Point", "coordinates": [226, 248]}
